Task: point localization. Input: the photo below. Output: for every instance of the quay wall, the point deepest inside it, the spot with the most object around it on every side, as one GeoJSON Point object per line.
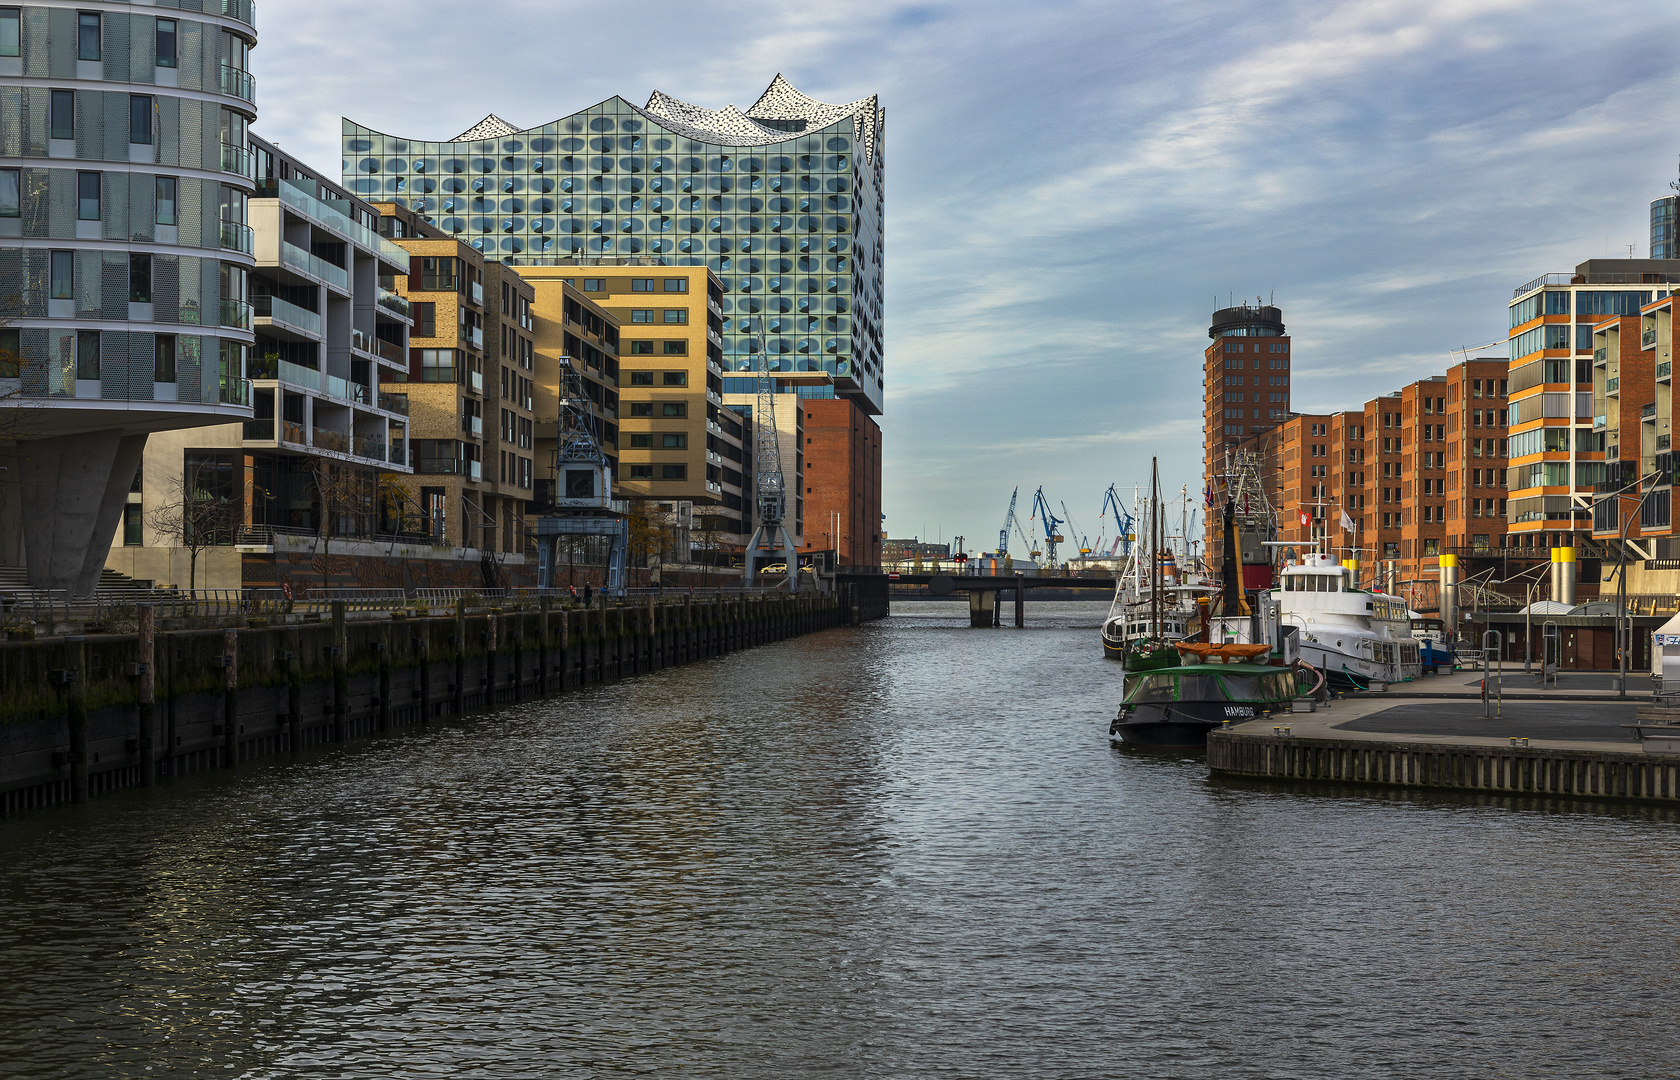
{"type": "Point", "coordinates": [80, 717]}
{"type": "Point", "coordinates": [1584, 773]}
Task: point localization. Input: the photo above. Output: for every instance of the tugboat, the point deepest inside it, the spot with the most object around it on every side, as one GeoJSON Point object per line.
{"type": "Point", "coordinates": [1175, 707]}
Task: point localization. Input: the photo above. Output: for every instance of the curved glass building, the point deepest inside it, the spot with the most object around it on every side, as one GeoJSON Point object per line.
{"type": "Point", "coordinates": [783, 201]}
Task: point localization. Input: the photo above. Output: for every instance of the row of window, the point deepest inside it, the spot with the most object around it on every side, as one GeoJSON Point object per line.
{"type": "Point", "coordinates": [667, 441]}
{"type": "Point", "coordinates": [666, 378]}
{"type": "Point", "coordinates": [515, 470]}
{"type": "Point", "coordinates": [666, 472]}
{"type": "Point", "coordinates": [666, 409]}
{"type": "Point", "coordinates": [677, 316]}
{"type": "Point", "coordinates": [667, 348]}
{"type": "Point", "coordinates": [89, 39]}
{"type": "Point", "coordinates": [1272, 347]}
{"type": "Point", "coordinates": [88, 354]}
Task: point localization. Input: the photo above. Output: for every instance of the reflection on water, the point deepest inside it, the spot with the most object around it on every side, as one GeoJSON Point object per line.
{"type": "Point", "coordinates": [902, 850]}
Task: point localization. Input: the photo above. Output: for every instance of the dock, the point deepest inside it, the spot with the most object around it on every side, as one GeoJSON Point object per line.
{"type": "Point", "coordinates": [1579, 740]}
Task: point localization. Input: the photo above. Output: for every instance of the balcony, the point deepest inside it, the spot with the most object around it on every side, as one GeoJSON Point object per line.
{"type": "Point", "coordinates": [399, 452]}
{"type": "Point", "coordinates": [239, 84]}
{"type": "Point", "coordinates": [1599, 422]}
{"type": "Point", "coordinates": [475, 425]}
{"type": "Point", "coordinates": [389, 353]}
{"type": "Point", "coordinates": [259, 430]}
{"type": "Point", "coordinates": [1662, 443]}
{"type": "Point", "coordinates": [308, 205]}
{"type": "Point", "coordinates": [394, 304]}
{"type": "Point", "coordinates": [236, 159]}
{"type": "Point", "coordinates": [475, 337]}
{"type": "Point", "coordinates": [314, 266]}
{"type": "Point", "coordinates": [475, 379]}
{"type": "Point", "coordinates": [233, 391]}
{"type": "Point", "coordinates": [477, 293]}
{"type": "Point", "coordinates": [1649, 412]}
{"type": "Point", "coordinates": [369, 446]}
{"type": "Point", "coordinates": [397, 403]}
{"type": "Point", "coordinates": [360, 341]}
{"type": "Point", "coordinates": [1663, 369]}
{"type": "Point", "coordinates": [336, 441]}
{"type": "Point", "coordinates": [1648, 338]}
{"type": "Point", "coordinates": [1601, 354]}
{"type": "Point", "coordinates": [293, 433]}
{"type": "Point", "coordinates": [287, 315]}
{"type": "Point", "coordinates": [243, 10]}
{"type": "Point", "coordinates": [1612, 385]}
{"type": "Point", "coordinates": [236, 237]}
{"type": "Point", "coordinates": [475, 471]}
{"type": "Point", "coordinates": [236, 314]}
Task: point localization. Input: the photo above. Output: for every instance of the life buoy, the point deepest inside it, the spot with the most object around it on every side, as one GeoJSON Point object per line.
{"type": "Point", "coordinates": [286, 590]}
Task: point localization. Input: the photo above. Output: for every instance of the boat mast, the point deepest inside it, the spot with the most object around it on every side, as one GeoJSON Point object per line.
{"type": "Point", "coordinates": [1155, 543]}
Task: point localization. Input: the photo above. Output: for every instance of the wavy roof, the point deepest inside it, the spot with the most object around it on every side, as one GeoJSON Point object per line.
{"type": "Point", "coordinates": [780, 101]}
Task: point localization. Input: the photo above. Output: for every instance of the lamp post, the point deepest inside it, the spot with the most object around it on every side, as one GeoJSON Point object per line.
{"type": "Point", "coordinates": [1625, 639]}
{"type": "Point", "coordinates": [1528, 616]}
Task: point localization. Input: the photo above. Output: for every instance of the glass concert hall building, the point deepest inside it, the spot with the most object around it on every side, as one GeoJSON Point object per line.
{"type": "Point", "coordinates": [783, 201]}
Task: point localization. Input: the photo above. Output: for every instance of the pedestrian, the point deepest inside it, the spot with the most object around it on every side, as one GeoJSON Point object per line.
{"type": "Point", "coordinates": [586, 594]}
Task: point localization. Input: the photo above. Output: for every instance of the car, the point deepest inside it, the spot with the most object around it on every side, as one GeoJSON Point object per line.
{"type": "Point", "coordinates": [773, 568]}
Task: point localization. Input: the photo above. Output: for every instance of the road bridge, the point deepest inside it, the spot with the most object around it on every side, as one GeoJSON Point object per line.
{"type": "Point", "coordinates": [983, 589]}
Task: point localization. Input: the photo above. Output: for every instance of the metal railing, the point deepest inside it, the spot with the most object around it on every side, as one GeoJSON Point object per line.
{"type": "Point", "coordinates": [235, 313]}
{"type": "Point", "coordinates": [232, 390]}
{"type": "Point", "coordinates": [1648, 338]}
{"type": "Point", "coordinates": [239, 84]}
{"type": "Point", "coordinates": [236, 237]}
{"type": "Point", "coordinates": [236, 159]}
{"type": "Point", "coordinates": [1664, 368]}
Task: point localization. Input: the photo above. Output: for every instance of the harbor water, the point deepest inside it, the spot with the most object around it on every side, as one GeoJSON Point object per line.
{"type": "Point", "coordinates": [900, 850]}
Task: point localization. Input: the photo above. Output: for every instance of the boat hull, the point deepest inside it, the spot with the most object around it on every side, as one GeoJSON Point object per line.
{"type": "Point", "coordinates": [1178, 726]}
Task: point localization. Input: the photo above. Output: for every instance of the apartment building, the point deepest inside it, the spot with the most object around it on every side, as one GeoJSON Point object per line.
{"type": "Point", "coordinates": [741, 398]}
{"type": "Point", "coordinates": [1245, 392]}
{"type": "Point", "coordinates": [843, 481]}
{"type": "Point", "coordinates": [322, 435]}
{"type": "Point", "coordinates": [126, 251]}
{"type": "Point", "coordinates": [469, 406]}
{"type": "Point", "coordinates": [1632, 407]}
{"type": "Point", "coordinates": [677, 444]}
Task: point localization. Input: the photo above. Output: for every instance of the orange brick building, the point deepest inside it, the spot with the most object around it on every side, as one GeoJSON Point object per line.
{"type": "Point", "coordinates": [842, 481]}
{"type": "Point", "coordinates": [1245, 393]}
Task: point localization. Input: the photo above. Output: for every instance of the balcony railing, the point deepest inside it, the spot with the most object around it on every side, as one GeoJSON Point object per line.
{"type": "Point", "coordinates": [334, 219]}
{"type": "Point", "coordinates": [387, 351]}
{"type": "Point", "coordinates": [475, 471]}
{"type": "Point", "coordinates": [477, 293]}
{"type": "Point", "coordinates": [259, 430]}
{"type": "Point", "coordinates": [1648, 338]}
{"type": "Point", "coordinates": [1601, 354]}
{"type": "Point", "coordinates": [232, 390]}
{"type": "Point", "coordinates": [399, 452]}
{"type": "Point", "coordinates": [332, 440]}
{"type": "Point", "coordinates": [235, 313]}
{"type": "Point", "coordinates": [475, 424]}
{"type": "Point", "coordinates": [475, 379]}
{"type": "Point", "coordinates": [437, 466]}
{"type": "Point", "coordinates": [359, 340]}
{"type": "Point", "coordinates": [315, 266]}
{"type": "Point", "coordinates": [293, 433]}
{"type": "Point", "coordinates": [239, 83]}
{"type": "Point", "coordinates": [243, 10]}
{"type": "Point", "coordinates": [369, 446]}
{"type": "Point", "coordinates": [475, 337]}
{"type": "Point", "coordinates": [397, 403]}
{"type": "Point", "coordinates": [1599, 422]}
{"type": "Point", "coordinates": [1664, 368]}
{"type": "Point", "coordinates": [395, 304]}
{"type": "Point", "coordinates": [1662, 442]}
{"type": "Point", "coordinates": [236, 159]}
{"type": "Point", "coordinates": [1612, 385]}
{"type": "Point", "coordinates": [286, 314]}
{"type": "Point", "coordinates": [236, 237]}
{"type": "Point", "coordinates": [1649, 411]}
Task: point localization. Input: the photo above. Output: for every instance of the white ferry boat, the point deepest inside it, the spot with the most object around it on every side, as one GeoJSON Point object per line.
{"type": "Point", "coordinates": [1352, 635]}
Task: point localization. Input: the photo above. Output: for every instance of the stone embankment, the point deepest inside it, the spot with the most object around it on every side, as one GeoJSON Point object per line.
{"type": "Point", "coordinates": [81, 716]}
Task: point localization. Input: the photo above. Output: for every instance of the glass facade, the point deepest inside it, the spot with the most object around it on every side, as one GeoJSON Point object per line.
{"type": "Point", "coordinates": [785, 208]}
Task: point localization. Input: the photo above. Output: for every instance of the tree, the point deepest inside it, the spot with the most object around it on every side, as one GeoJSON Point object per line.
{"type": "Point", "coordinates": [712, 534]}
{"type": "Point", "coordinates": [340, 491]}
{"type": "Point", "coordinates": [199, 510]}
{"type": "Point", "coordinates": [646, 533]}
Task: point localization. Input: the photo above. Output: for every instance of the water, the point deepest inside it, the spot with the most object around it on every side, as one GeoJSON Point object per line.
{"type": "Point", "coordinates": [901, 851]}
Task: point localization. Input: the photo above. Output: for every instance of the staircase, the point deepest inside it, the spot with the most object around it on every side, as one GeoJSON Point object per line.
{"type": "Point", "coordinates": [15, 579]}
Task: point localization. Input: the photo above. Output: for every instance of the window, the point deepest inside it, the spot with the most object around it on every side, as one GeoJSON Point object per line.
{"type": "Point", "coordinates": [87, 354]}
{"type": "Point", "coordinates": [8, 31]}
{"type": "Point", "coordinates": [139, 279]}
{"type": "Point", "coordinates": [87, 36]}
{"type": "Point", "coordinates": [641, 408]}
{"type": "Point", "coordinates": [438, 365]}
{"type": "Point", "coordinates": [63, 275]}
{"type": "Point", "coordinates": [10, 350]}
{"type": "Point", "coordinates": [166, 200]}
{"type": "Point", "coordinates": [676, 472]}
{"type": "Point", "coordinates": [676, 284]}
{"type": "Point", "coordinates": [163, 362]}
{"type": "Point", "coordinates": [63, 114]}
{"type": "Point", "coordinates": [641, 472]}
{"type": "Point", "coordinates": [594, 284]}
{"type": "Point", "coordinates": [11, 202]}
{"type": "Point", "coordinates": [641, 378]}
{"type": "Point", "coordinates": [166, 43]}
{"type": "Point", "coordinates": [641, 284]}
{"type": "Point", "coordinates": [140, 118]}
{"type": "Point", "coordinates": [676, 441]}
{"type": "Point", "coordinates": [641, 348]}
{"type": "Point", "coordinates": [87, 196]}
{"type": "Point", "coordinates": [425, 314]}
{"type": "Point", "coordinates": [676, 378]}
{"type": "Point", "coordinates": [676, 408]}
{"type": "Point", "coordinates": [641, 315]}
{"type": "Point", "coordinates": [641, 442]}
{"type": "Point", "coordinates": [676, 348]}
{"type": "Point", "coordinates": [676, 315]}
{"type": "Point", "coordinates": [133, 536]}
{"type": "Point", "coordinates": [437, 273]}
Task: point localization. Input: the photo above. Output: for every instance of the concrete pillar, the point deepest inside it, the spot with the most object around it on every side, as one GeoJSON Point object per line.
{"type": "Point", "coordinates": [74, 487]}
{"type": "Point", "coordinates": [144, 656]}
{"type": "Point", "coordinates": [1020, 600]}
{"type": "Point", "coordinates": [1563, 575]}
{"type": "Point", "coordinates": [1449, 595]}
{"type": "Point", "coordinates": [981, 605]}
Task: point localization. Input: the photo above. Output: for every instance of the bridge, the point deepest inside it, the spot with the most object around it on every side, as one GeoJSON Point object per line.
{"type": "Point", "coordinates": [983, 589]}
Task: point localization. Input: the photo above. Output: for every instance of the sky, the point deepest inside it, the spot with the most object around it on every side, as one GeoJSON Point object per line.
{"type": "Point", "coordinates": [1073, 187]}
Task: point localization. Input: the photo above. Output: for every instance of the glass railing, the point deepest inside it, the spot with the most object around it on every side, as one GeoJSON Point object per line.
{"type": "Point", "coordinates": [475, 337]}
{"type": "Point", "coordinates": [238, 83]}
{"type": "Point", "coordinates": [305, 203]}
{"type": "Point", "coordinates": [397, 403]}
{"type": "Point", "coordinates": [476, 426]}
{"type": "Point", "coordinates": [232, 390]}
{"type": "Point", "coordinates": [475, 471]}
{"type": "Point", "coordinates": [305, 263]}
{"type": "Point", "coordinates": [399, 452]}
{"type": "Point", "coordinates": [243, 10]}
{"type": "Point", "coordinates": [1662, 442]}
{"type": "Point", "coordinates": [236, 237]}
{"type": "Point", "coordinates": [478, 293]}
{"type": "Point", "coordinates": [236, 313]}
{"type": "Point", "coordinates": [293, 433]}
{"type": "Point", "coordinates": [387, 351]}
{"type": "Point", "coordinates": [1648, 338]}
{"type": "Point", "coordinates": [1663, 369]}
{"type": "Point", "coordinates": [332, 440]}
{"type": "Point", "coordinates": [475, 379]}
{"type": "Point", "coordinates": [437, 465]}
{"type": "Point", "coordinates": [1649, 410]}
{"type": "Point", "coordinates": [359, 340]}
{"type": "Point", "coordinates": [1612, 385]}
{"type": "Point", "coordinates": [259, 430]}
{"type": "Point", "coordinates": [1598, 422]}
{"type": "Point", "coordinates": [1600, 354]}
{"type": "Point", "coordinates": [369, 446]}
{"type": "Point", "coordinates": [298, 375]}
{"type": "Point", "coordinates": [396, 305]}
{"type": "Point", "coordinates": [287, 313]}
{"type": "Point", "coordinates": [236, 159]}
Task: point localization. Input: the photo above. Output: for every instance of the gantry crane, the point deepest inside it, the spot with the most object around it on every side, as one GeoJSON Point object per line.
{"type": "Point", "coordinates": [1041, 510]}
{"type": "Point", "coordinates": [1123, 521]}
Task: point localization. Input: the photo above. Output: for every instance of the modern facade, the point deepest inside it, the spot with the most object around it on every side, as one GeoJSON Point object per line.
{"type": "Point", "coordinates": [1245, 392]}
{"type": "Point", "coordinates": [124, 256]}
{"type": "Point", "coordinates": [677, 443]}
{"type": "Point", "coordinates": [313, 459]}
{"type": "Point", "coordinates": [1665, 227]}
{"type": "Point", "coordinates": [782, 201]}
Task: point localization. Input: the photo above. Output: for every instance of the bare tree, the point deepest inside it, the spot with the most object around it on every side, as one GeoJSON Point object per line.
{"type": "Point", "coordinates": [340, 490]}
{"type": "Point", "coordinates": [196, 513]}
{"type": "Point", "coordinates": [646, 535]}
{"type": "Point", "coordinates": [711, 534]}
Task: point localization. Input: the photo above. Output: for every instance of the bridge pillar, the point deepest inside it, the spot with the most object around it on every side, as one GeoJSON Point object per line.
{"type": "Point", "coordinates": [1020, 600]}
{"type": "Point", "coordinates": [982, 605]}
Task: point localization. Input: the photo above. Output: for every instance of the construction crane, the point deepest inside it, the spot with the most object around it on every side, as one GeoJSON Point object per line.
{"type": "Point", "coordinates": [1123, 521]}
{"type": "Point", "coordinates": [1041, 511]}
{"type": "Point", "coordinates": [1083, 539]}
{"type": "Point", "coordinates": [1003, 533]}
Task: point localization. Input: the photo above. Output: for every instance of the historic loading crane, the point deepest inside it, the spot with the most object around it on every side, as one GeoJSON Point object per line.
{"type": "Point", "coordinates": [771, 499]}
{"type": "Point", "coordinates": [582, 507]}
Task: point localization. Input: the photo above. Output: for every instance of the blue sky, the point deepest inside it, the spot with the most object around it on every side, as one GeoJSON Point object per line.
{"type": "Point", "coordinates": [1070, 185]}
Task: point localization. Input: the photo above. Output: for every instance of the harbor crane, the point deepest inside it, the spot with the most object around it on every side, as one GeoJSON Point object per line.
{"type": "Point", "coordinates": [1041, 510]}
{"type": "Point", "coordinates": [1003, 533]}
{"type": "Point", "coordinates": [770, 534]}
{"type": "Point", "coordinates": [1078, 534]}
{"type": "Point", "coordinates": [1123, 521]}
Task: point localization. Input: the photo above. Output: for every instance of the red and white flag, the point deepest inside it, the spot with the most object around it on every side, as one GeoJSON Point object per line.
{"type": "Point", "coordinates": [1306, 517]}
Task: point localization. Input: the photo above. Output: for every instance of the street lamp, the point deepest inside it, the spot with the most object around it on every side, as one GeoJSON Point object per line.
{"type": "Point", "coordinates": [1624, 638]}
{"type": "Point", "coordinates": [1528, 615]}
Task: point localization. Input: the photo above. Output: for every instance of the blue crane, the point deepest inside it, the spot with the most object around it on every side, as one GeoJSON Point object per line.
{"type": "Point", "coordinates": [1041, 510]}
{"type": "Point", "coordinates": [1122, 518]}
